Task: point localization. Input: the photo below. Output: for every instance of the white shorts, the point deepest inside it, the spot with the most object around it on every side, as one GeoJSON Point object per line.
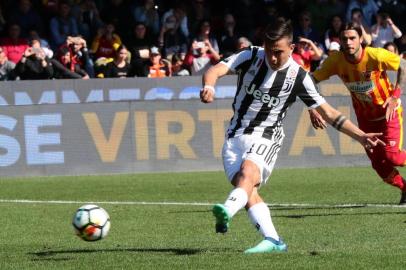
{"type": "Point", "coordinates": [263, 152]}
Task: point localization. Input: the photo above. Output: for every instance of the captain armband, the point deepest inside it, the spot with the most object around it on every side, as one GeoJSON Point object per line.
{"type": "Point", "coordinates": [339, 121]}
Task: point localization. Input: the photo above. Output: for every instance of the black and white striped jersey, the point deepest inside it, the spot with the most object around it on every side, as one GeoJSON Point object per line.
{"type": "Point", "coordinates": [264, 95]}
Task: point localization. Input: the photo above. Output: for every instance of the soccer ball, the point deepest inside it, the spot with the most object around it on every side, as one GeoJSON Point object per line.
{"type": "Point", "coordinates": [91, 222]}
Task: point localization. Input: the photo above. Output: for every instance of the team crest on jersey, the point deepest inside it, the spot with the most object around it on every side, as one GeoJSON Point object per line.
{"type": "Point", "coordinates": [289, 80]}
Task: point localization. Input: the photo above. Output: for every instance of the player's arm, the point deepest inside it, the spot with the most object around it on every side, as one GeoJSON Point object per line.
{"type": "Point", "coordinates": [209, 80]}
{"type": "Point", "coordinates": [392, 102]}
{"type": "Point", "coordinates": [315, 118]}
{"type": "Point", "coordinates": [401, 78]}
{"type": "Point", "coordinates": [341, 123]}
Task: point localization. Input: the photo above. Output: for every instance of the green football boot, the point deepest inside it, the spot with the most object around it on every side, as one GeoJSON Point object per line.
{"type": "Point", "coordinates": [268, 245]}
{"type": "Point", "coordinates": [223, 218]}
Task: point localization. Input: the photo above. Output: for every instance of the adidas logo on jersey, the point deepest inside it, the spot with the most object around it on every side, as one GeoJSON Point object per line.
{"type": "Point", "coordinates": [263, 97]}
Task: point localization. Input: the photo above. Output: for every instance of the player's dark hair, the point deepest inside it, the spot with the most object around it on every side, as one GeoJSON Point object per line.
{"type": "Point", "coordinates": [351, 26]}
{"type": "Point", "coordinates": [277, 30]}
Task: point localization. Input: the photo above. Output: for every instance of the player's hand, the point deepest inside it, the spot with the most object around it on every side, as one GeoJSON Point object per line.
{"type": "Point", "coordinates": [371, 140]}
{"type": "Point", "coordinates": [391, 104]}
{"type": "Point", "coordinates": [317, 120]}
{"type": "Point", "coordinates": [207, 94]}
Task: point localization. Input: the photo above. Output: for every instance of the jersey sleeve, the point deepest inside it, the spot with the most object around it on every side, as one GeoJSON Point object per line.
{"type": "Point", "coordinates": [387, 60]}
{"type": "Point", "coordinates": [235, 61]}
{"type": "Point", "coordinates": [326, 69]}
{"type": "Point", "coordinates": [308, 93]}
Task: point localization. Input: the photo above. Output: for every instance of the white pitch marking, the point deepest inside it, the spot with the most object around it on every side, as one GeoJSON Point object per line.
{"type": "Point", "coordinates": [295, 205]}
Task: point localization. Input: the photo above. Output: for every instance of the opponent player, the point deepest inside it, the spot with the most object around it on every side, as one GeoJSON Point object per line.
{"type": "Point", "coordinates": [375, 100]}
{"type": "Point", "coordinates": [269, 82]}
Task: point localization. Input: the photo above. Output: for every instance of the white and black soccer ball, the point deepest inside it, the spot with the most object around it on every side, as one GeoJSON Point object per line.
{"type": "Point", "coordinates": [91, 222]}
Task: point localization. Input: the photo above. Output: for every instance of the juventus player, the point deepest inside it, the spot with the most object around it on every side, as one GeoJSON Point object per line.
{"type": "Point", "coordinates": [269, 82]}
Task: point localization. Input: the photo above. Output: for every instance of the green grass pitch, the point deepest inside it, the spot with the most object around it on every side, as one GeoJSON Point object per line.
{"type": "Point", "coordinates": [331, 218]}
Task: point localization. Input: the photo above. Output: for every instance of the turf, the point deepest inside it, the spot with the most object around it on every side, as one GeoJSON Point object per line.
{"type": "Point", "coordinates": [306, 204]}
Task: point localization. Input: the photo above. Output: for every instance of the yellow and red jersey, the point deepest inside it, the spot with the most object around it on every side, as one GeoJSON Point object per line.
{"type": "Point", "coordinates": [366, 80]}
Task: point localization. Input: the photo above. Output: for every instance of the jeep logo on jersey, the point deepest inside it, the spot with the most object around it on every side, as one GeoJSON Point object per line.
{"type": "Point", "coordinates": [263, 97]}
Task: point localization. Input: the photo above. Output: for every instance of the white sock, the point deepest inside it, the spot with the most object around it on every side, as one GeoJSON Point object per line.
{"type": "Point", "coordinates": [260, 216]}
{"type": "Point", "coordinates": [236, 200]}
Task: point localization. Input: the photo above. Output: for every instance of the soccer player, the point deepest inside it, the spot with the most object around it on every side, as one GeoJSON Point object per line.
{"type": "Point", "coordinates": [375, 100]}
{"type": "Point", "coordinates": [269, 82]}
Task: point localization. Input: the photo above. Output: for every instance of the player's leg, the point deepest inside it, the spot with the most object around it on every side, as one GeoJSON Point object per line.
{"type": "Point", "coordinates": [244, 181]}
{"type": "Point", "coordinates": [385, 169]}
{"type": "Point", "coordinates": [260, 217]}
{"type": "Point", "coordinates": [395, 155]}
{"type": "Point", "coordinates": [385, 159]}
{"type": "Point", "coordinates": [248, 162]}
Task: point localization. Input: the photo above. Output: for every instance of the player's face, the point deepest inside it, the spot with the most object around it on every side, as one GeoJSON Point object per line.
{"type": "Point", "coordinates": [350, 42]}
{"type": "Point", "coordinates": [278, 52]}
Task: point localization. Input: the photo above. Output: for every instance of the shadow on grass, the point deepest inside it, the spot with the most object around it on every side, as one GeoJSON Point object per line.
{"type": "Point", "coordinates": [339, 214]}
{"type": "Point", "coordinates": [48, 254]}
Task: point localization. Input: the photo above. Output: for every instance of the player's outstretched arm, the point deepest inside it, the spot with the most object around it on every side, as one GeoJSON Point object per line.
{"type": "Point", "coordinates": [392, 102]}
{"type": "Point", "coordinates": [209, 81]}
{"type": "Point", "coordinates": [341, 123]}
{"type": "Point", "coordinates": [317, 121]}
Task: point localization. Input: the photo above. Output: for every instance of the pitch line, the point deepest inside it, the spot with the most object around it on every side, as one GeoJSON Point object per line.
{"type": "Point", "coordinates": [272, 205]}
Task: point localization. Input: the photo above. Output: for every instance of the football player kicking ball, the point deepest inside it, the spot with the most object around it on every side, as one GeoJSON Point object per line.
{"type": "Point", "coordinates": [375, 100]}
{"type": "Point", "coordinates": [269, 82]}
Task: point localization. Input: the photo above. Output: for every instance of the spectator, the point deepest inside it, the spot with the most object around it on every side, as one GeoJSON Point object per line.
{"type": "Point", "coordinates": [64, 68]}
{"type": "Point", "coordinates": [198, 13]}
{"type": "Point", "coordinates": [179, 11]}
{"type": "Point", "coordinates": [119, 67]}
{"type": "Point", "coordinates": [306, 52]}
{"type": "Point", "coordinates": [6, 67]}
{"type": "Point", "coordinates": [13, 45]}
{"type": "Point", "coordinates": [171, 38]}
{"type": "Point", "coordinates": [357, 17]}
{"type": "Point", "coordinates": [200, 57]}
{"type": "Point", "coordinates": [178, 68]}
{"type": "Point", "coordinates": [229, 37]}
{"type": "Point", "coordinates": [139, 48]}
{"type": "Point", "coordinates": [243, 43]}
{"type": "Point", "coordinates": [396, 9]}
{"type": "Point", "coordinates": [106, 42]}
{"type": "Point", "coordinates": [323, 10]}
{"type": "Point", "coordinates": [27, 18]}
{"type": "Point", "coordinates": [204, 35]}
{"type": "Point", "coordinates": [392, 47]}
{"type": "Point", "coordinates": [44, 43]}
{"type": "Point", "coordinates": [368, 8]}
{"type": "Point", "coordinates": [88, 18]}
{"type": "Point", "coordinates": [118, 12]}
{"type": "Point", "coordinates": [148, 14]}
{"type": "Point", "coordinates": [334, 47]}
{"type": "Point", "coordinates": [304, 29]}
{"type": "Point", "coordinates": [34, 65]}
{"type": "Point", "coordinates": [384, 30]}
{"type": "Point", "coordinates": [245, 12]}
{"type": "Point", "coordinates": [333, 32]}
{"type": "Point", "coordinates": [157, 67]}
{"type": "Point", "coordinates": [80, 54]}
{"type": "Point", "coordinates": [62, 25]}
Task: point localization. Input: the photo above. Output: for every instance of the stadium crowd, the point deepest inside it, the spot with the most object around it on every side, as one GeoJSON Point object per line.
{"type": "Point", "coordinates": [59, 39]}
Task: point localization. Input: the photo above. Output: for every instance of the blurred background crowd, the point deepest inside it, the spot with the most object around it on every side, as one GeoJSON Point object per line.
{"type": "Point", "coordinates": [59, 39]}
